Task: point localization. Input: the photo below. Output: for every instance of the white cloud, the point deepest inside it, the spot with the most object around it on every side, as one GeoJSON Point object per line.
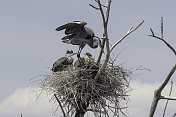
{"type": "Point", "coordinates": [24, 100]}
{"type": "Point", "coordinates": [141, 99]}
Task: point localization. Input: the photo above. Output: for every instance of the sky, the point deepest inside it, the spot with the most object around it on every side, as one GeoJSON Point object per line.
{"type": "Point", "coordinates": [29, 45]}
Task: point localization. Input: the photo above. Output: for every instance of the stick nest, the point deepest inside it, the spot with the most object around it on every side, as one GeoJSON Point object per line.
{"type": "Point", "coordinates": [76, 88]}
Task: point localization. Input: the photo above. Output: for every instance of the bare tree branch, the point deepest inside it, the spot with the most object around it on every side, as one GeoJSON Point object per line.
{"type": "Point", "coordinates": [105, 38]}
{"type": "Point", "coordinates": [94, 7]}
{"type": "Point", "coordinates": [173, 69]}
{"type": "Point", "coordinates": [160, 38]}
{"type": "Point", "coordinates": [162, 34]}
{"type": "Point", "coordinates": [101, 10]}
{"type": "Point", "coordinates": [167, 79]}
{"type": "Point", "coordinates": [60, 105]}
{"type": "Point", "coordinates": [107, 12]}
{"type": "Point", "coordinates": [152, 33]}
{"type": "Point", "coordinates": [157, 93]}
{"type": "Point", "coordinates": [104, 23]}
{"type": "Point", "coordinates": [168, 99]}
{"type": "Point", "coordinates": [102, 4]}
{"type": "Point", "coordinates": [130, 31]}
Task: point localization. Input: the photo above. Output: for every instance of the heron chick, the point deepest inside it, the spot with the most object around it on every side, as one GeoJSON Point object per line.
{"type": "Point", "coordinates": [63, 62]}
{"type": "Point", "coordinates": [78, 34]}
{"type": "Point", "coordinates": [85, 61]}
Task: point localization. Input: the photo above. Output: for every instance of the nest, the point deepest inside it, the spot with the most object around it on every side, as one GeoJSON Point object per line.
{"type": "Point", "coordinates": [77, 89]}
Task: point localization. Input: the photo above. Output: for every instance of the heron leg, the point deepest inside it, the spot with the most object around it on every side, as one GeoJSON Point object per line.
{"type": "Point", "coordinates": [78, 55]}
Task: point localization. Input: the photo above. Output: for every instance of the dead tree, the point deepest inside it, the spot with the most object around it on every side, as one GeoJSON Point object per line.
{"type": "Point", "coordinates": [158, 91]}
{"type": "Point", "coordinates": [98, 88]}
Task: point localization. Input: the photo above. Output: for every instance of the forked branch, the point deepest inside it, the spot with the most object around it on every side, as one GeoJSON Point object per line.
{"type": "Point", "coordinates": [105, 24]}
{"type": "Point", "coordinates": [162, 39]}
{"type": "Point", "coordinates": [157, 93]}
{"type": "Point", "coordinates": [105, 18]}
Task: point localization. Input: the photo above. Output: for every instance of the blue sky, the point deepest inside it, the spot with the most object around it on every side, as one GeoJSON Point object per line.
{"type": "Point", "coordinates": [29, 44]}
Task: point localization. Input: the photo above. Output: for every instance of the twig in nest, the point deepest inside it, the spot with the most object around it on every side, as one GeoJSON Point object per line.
{"type": "Point", "coordinates": [60, 105]}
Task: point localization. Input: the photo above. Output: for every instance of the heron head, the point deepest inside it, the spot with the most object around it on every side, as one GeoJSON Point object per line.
{"type": "Point", "coordinates": [88, 54]}
{"type": "Point", "coordinates": [88, 58]}
{"type": "Point", "coordinates": [70, 53]}
{"type": "Point", "coordinates": [96, 42]}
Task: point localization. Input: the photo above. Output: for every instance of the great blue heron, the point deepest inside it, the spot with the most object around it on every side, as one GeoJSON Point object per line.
{"type": "Point", "coordinates": [86, 60]}
{"type": "Point", "coordinates": [63, 62]}
{"type": "Point", "coordinates": [78, 34]}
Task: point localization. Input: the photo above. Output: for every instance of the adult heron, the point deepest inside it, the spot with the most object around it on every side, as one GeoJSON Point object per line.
{"type": "Point", "coordinates": [78, 34]}
{"type": "Point", "coordinates": [63, 62]}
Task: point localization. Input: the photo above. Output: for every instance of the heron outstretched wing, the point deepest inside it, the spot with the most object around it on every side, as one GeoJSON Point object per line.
{"type": "Point", "coordinates": [72, 27]}
{"type": "Point", "coordinates": [65, 26]}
